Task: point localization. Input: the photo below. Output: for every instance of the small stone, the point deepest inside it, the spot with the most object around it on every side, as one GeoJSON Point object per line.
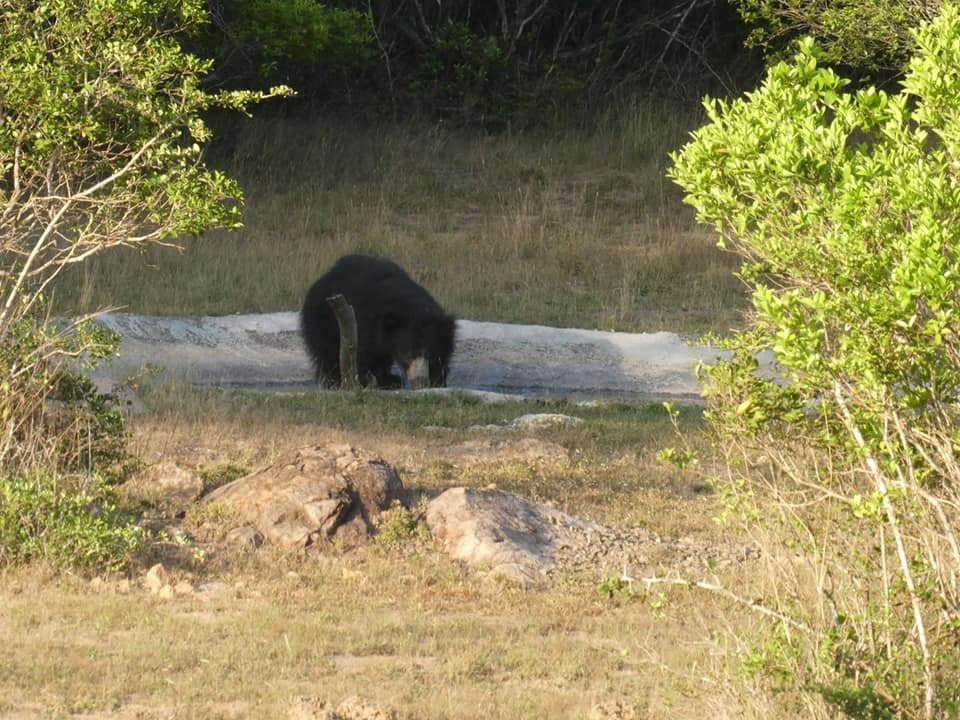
{"type": "Point", "coordinates": [209, 590]}
{"type": "Point", "coordinates": [536, 421]}
{"type": "Point", "coordinates": [156, 578]}
{"type": "Point", "coordinates": [246, 537]}
{"type": "Point", "coordinates": [612, 710]}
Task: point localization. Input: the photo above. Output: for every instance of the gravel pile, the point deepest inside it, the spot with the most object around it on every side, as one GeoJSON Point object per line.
{"type": "Point", "coordinates": [637, 552]}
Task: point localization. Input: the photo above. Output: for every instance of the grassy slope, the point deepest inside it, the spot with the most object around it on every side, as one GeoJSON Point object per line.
{"type": "Point", "coordinates": [572, 229]}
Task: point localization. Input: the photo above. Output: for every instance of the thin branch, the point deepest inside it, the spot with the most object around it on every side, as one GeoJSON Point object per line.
{"type": "Point", "coordinates": [729, 594]}
{"type": "Point", "coordinates": [895, 531]}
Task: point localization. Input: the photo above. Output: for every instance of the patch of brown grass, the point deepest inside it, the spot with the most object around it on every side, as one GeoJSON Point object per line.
{"type": "Point", "coordinates": [573, 229]}
{"type": "Point", "coordinates": [415, 635]}
{"type": "Point", "coordinates": [399, 624]}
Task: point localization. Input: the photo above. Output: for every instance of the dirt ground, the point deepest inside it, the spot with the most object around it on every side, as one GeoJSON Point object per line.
{"type": "Point", "coordinates": [395, 628]}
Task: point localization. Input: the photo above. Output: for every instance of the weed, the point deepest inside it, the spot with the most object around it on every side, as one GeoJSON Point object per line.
{"type": "Point", "coordinates": [43, 518]}
{"type": "Point", "coordinates": [398, 525]}
{"type": "Point", "coordinates": [618, 587]}
{"type": "Point", "coordinates": [218, 515]}
{"type": "Point", "coordinates": [220, 474]}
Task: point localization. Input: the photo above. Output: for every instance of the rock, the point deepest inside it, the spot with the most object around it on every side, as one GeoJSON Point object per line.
{"type": "Point", "coordinates": [499, 448]}
{"type": "Point", "coordinates": [514, 538]}
{"type": "Point", "coordinates": [156, 578]}
{"type": "Point", "coordinates": [314, 495]}
{"type": "Point", "coordinates": [157, 581]}
{"type": "Point", "coordinates": [245, 537]}
{"type": "Point", "coordinates": [538, 421]}
{"type": "Point", "coordinates": [166, 485]}
{"type": "Point", "coordinates": [208, 590]}
{"type": "Point", "coordinates": [521, 541]}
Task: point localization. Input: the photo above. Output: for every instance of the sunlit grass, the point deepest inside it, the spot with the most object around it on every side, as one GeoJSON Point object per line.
{"type": "Point", "coordinates": [575, 228]}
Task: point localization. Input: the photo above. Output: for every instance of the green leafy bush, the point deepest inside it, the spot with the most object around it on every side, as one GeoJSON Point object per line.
{"type": "Point", "coordinates": [53, 416]}
{"type": "Point", "coordinates": [311, 46]}
{"type": "Point", "coordinates": [846, 210]}
{"type": "Point", "coordinates": [867, 34]}
{"type": "Point", "coordinates": [92, 432]}
{"type": "Point", "coordinates": [398, 526]}
{"type": "Point", "coordinates": [71, 527]}
{"type": "Point", "coordinates": [463, 76]}
{"type": "Point", "coordinates": [100, 147]}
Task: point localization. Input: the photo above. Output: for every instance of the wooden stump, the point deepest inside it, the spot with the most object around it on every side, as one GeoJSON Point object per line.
{"type": "Point", "coordinates": [347, 320]}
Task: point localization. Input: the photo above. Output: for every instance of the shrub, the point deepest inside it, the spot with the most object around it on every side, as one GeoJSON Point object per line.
{"type": "Point", "coordinates": [846, 210]}
{"type": "Point", "coordinates": [464, 77]}
{"type": "Point", "coordinates": [72, 527]}
{"type": "Point", "coordinates": [871, 36]}
{"type": "Point", "coordinates": [301, 42]}
{"type": "Point", "coordinates": [100, 147]}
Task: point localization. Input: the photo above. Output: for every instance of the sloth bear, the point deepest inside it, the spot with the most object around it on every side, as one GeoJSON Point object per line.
{"type": "Point", "coordinates": [397, 322]}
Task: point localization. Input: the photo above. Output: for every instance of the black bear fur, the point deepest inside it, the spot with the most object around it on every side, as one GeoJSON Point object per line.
{"type": "Point", "coordinates": [398, 321]}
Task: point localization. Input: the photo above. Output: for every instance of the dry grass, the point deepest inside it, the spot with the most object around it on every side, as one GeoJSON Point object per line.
{"type": "Point", "coordinates": [411, 634]}
{"type": "Point", "coordinates": [402, 626]}
{"type": "Point", "coordinates": [571, 229]}
{"type": "Point", "coordinates": [575, 229]}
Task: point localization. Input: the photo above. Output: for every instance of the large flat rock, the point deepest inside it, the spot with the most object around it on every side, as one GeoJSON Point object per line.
{"type": "Point", "coordinates": [265, 351]}
{"type": "Point", "coordinates": [497, 532]}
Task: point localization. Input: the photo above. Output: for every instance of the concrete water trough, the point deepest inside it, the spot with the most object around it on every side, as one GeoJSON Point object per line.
{"type": "Point", "coordinates": [265, 351]}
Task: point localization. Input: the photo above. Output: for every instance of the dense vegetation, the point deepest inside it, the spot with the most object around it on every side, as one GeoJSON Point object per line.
{"type": "Point", "coordinates": [488, 63]}
{"type": "Point", "coordinates": [842, 205]}
{"type": "Point", "coordinates": [871, 39]}
{"type": "Point", "coordinates": [100, 148]}
{"type": "Point", "coordinates": [522, 62]}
